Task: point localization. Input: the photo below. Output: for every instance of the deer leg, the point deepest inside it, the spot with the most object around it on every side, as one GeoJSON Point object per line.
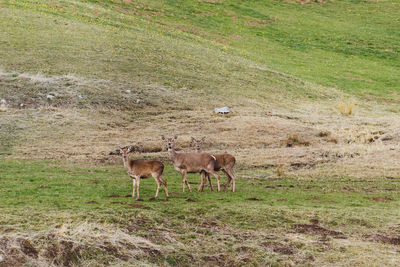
{"type": "Point", "coordinates": [133, 186]}
{"type": "Point", "coordinates": [137, 187]}
{"type": "Point", "coordinates": [164, 183]}
{"type": "Point", "coordinates": [201, 186]}
{"type": "Point", "coordinates": [158, 185]}
{"type": "Point", "coordinates": [187, 183]}
{"type": "Point", "coordinates": [184, 181]}
{"type": "Point", "coordinates": [209, 180]}
{"type": "Point", "coordinates": [217, 177]}
{"type": "Point", "coordinates": [228, 181]}
{"type": "Point", "coordinates": [232, 176]}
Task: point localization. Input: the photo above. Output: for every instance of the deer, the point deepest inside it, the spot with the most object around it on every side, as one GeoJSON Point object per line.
{"type": "Point", "coordinates": [224, 162]}
{"type": "Point", "coordinates": [191, 163]}
{"type": "Point", "coordinates": [143, 169]}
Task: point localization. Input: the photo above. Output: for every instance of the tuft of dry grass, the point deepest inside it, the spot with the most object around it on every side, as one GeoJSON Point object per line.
{"type": "Point", "coordinates": [346, 108]}
{"type": "Point", "coordinates": [280, 170]}
{"type": "Point", "coordinates": [294, 139]}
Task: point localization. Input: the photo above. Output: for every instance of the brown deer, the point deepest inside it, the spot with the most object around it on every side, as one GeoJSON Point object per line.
{"type": "Point", "coordinates": [191, 163]}
{"type": "Point", "coordinates": [142, 169]}
{"type": "Point", "coordinates": [224, 162]}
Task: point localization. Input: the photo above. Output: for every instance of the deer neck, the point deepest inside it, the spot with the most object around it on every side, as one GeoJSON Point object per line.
{"type": "Point", "coordinates": [125, 159]}
{"type": "Point", "coordinates": [172, 153]}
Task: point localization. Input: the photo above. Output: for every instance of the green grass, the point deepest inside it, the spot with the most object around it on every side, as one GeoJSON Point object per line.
{"type": "Point", "coordinates": [179, 56]}
{"type": "Point", "coordinates": [38, 195]}
{"type": "Point", "coordinates": [345, 44]}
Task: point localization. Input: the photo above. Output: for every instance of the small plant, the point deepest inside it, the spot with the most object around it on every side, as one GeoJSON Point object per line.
{"type": "Point", "coordinates": [346, 109]}
{"type": "Point", "coordinates": [323, 134]}
{"type": "Point", "coordinates": [294, 139]}
{"type": "Point", "coordinates": [280, 170]}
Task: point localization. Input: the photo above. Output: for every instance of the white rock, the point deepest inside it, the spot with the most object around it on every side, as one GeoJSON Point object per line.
{"type": "Point", "coordinates": [3, 101]}
{"type": "Point", "coordinates": [80, 97]}
{"type": "Point", "coordinates": [138, 101]}
{"type": "Point", "coordinates": [21, 105]}
{"type": "Point", "coordinates": [128, 91]}
{"type": "Point", "coordinates": [50, 97]}
{"type": "Point", "coordinates": [223, 110]}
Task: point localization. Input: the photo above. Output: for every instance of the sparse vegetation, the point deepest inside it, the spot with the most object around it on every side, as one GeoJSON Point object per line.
{"type": "Point", "coordinates": [346, 108]}
{"type": "Point", "coordinates": [81, 78]}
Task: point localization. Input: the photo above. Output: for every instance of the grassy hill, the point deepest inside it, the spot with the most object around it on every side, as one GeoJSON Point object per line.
{"type": "Point", "coordinates": [314, 92]}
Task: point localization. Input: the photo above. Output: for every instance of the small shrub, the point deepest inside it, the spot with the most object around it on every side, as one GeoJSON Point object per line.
{"type": "Point", "coordinates": [280, 170]}
{"type": "Point", "coordinates": [294, 139]}
{"type": "Point", "coordinates": [323, 134]}
{"type": "Point", "coordinates": [346, 109]}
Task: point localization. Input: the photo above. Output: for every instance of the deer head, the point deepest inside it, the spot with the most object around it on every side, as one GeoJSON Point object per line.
{"type": "Point", "coordinates": [125, 150]}
{"type": "Point", "coordinates": [169, 142]}
{"type": "Point", "coordinates": [198, 143]}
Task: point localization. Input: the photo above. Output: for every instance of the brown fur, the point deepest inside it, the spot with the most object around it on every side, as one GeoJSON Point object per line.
{"type": "Point", "coordinates": [142, 169]}
{"type": "Point", "coordinates": [224, 162]}
{"type": "Point", "coordinates": [191, 163]}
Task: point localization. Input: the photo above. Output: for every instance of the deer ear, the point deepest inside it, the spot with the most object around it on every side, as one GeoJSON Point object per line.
{"type": "Point", "coordinates": [192, 139]}
{"type": "Point", "coordinates": [175, 137]}
{"type": "Point", "coordinates": [162, 137]}
{"type": "Point", "coordinates": [130, 148]}
{"type": "Point", "coordinates": [203, 138]}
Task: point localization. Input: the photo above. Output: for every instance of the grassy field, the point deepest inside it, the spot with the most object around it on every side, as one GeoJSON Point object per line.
{"type": "Point", "coordinates": [314, 91]}
{"type": "Point", "coordinates": [68, 215]}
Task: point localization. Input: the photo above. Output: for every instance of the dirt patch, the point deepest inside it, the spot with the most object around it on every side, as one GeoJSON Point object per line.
{"type": "Point", "coordinates": [138, 206]}
{"type": "Point", "coordinates": [118, 202]}
{"type": "Point", "coordinates": [110, 196]}
{"type": "Point", "coordinates": [253, 199]}
{"type": "Point", "coordinates": [315, 199]}
{"type": "Point", "coordinates": [393, 240]}
{"type": "Point", "coordinates": [191, 200]}
{"type": "Point", "coordinates": [316, 229]}
{"type": "Point", "coordinates": [92, 202]}
{"type": "Point", "coordinates": [28, 248]}
{"type": "Point", "coordinates": [209, 224]}
{"type": "Point", "coordinates": [279, 248]}
{"type": "Point", "coordinates": [93, 181]}
{"type": "Point", "coordinates": [270, 186]}
{"type": "Point", "coordinates": [382, 199]}
{"type": "Point", "coordinates": [219, 260]}
{"type": "Point", "coordinates": [128, 195]}
{"type": "Point", "coordinates": [44, 186]}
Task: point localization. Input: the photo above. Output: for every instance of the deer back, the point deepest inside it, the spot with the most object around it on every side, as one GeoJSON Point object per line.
{"type": "Point", "coordinates": [193, 162]}
{"type": "Point", "coordinates": [145, 168]}
{"type": "Point", "coordinates": [224, 161]}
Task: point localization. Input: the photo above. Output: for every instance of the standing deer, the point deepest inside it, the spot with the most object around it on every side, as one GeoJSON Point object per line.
{"type": "Point", "coordinates": [191, 163]}
{"type": "Point", "coordinates": [224, 162]}
{"type": "Point", "coordinates": [142, 169]}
